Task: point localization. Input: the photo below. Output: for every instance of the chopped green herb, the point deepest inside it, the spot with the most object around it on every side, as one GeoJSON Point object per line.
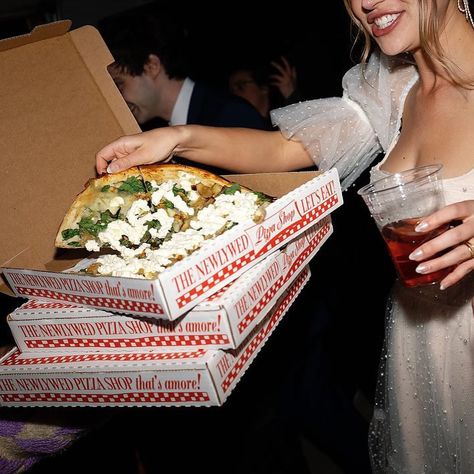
{"type": "Point", "coordinates": [168, 204]}
{"type": "Point", "coordinates": [125, 241]}
{"type": "Point", "coordinates": [146, 237]}
{"type": "Point", "coordinates": [153, 224]}
{"type": "Point", "coordinates": [177, 190]}
{"type": "Point", "coordinates": [74, 244]}
{"type": "Point", "coordinates": [132, 185]}
{"type": "Point", "coordinates": [106, 217]}
{"type": "Point", "coordinates": [105, 188]}
{"type": "Point", "coordinates": [69, 233]}
{"type": "Point", "coordinates": [88, 226]}
{"type": "Point", "coordinates": [262, 196]}
{"type": "Point", "coordinates": [231, 189]}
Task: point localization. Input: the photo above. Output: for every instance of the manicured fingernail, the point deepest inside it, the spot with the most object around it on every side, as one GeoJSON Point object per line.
{"type": "Point", "coordinates": [112, 168]}
{"type": "Point", "coordinates": [421, 268]}
{"type": "Point", "coordinates": [442, 287]}
{"type": "Point", "coordinates": [415, 255]}
{"type": "Point", "coordinates": [421, 227]}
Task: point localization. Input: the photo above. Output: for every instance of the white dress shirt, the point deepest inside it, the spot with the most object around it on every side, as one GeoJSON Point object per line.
{"type": "Point", "coordinates": [179, 116]}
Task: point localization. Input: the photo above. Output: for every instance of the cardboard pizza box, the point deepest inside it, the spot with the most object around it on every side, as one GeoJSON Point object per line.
{"type": "Point", "coordinates": [196, 377]}
{"type": "Point", "coordinates": [60, 106]}
{"type": "Point", "coordinates": [222, 321]}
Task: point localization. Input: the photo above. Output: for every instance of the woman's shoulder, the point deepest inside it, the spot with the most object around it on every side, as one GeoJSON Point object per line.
{"type": "Point", "coordinates": [380, 87]}
{"type": "Point", "coordinates": [380, 74]}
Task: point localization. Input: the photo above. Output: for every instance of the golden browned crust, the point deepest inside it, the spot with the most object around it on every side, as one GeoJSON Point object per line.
{"type": "Point", "coordinates": [168, 171]}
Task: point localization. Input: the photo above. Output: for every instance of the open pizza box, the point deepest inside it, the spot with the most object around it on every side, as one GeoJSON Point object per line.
{"type": "Point", "coordinates": [194, 377]}
{"type": "Point", "coordinates": [222, 321]}
{"type": "Point", "coordinates": [59, 106]}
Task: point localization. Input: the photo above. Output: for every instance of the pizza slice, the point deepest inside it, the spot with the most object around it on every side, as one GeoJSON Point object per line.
{"type": "Point", "coordinates": [154, 215]}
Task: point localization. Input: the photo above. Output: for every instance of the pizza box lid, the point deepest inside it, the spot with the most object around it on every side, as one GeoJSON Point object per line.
{"type": "Point", "coordinates": [59, 107]}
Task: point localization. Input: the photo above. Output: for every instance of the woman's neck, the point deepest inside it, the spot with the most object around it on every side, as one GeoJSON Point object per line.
{"type": "Point", "coordinates": [457, 43]}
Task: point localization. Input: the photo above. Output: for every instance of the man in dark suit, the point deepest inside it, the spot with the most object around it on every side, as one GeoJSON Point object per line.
{"type": "Point", "coordinates": [151, 72]}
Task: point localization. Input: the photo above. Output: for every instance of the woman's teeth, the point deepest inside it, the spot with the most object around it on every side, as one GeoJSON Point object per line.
{"type": "Point", "coordinates": [386, 20]}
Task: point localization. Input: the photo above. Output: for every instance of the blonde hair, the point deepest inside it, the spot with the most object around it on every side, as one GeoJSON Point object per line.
{"type": "Point", "coordinates": [430, 25]}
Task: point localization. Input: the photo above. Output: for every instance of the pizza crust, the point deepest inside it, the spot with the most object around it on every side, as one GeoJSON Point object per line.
{"type": "Point", "coordinates": [170, 171]}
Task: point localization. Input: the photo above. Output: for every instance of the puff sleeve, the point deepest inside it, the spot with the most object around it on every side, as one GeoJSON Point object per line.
{"type": "Point", "coordinates": [348, 132]}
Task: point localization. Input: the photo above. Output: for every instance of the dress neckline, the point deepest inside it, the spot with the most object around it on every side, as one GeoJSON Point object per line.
{"type": "Point", "coordinates": [397, 136]}
{"type": "Point", "coordinates": [453, 178]}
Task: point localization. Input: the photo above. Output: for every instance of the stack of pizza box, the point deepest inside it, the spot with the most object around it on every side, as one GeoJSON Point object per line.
{"type": "Point", "coordinates": [72, 355]}
{"type": "Point", "coordinates": [222, 321]}
{"type": "Point", "coordinates": [184, 338]}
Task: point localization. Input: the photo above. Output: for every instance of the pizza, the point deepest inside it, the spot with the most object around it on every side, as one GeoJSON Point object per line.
{"type": "Point", "coordinates": [149, 217]}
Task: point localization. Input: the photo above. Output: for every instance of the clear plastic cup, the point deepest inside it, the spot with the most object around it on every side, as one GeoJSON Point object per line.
{"type": "Point", "coordinates": [398, 203]}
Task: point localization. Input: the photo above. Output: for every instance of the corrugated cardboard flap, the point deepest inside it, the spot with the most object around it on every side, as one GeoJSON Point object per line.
{"type": "Point", "coordinates": [39, 33]}
{"type": "Point", "coordinates": [273, 184]}
{"type": "Point", "coordinates": [59, 106]}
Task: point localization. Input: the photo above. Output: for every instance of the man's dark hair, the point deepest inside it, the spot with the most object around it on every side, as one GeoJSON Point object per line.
{"type": "Point", "coordinates": [133, 35]}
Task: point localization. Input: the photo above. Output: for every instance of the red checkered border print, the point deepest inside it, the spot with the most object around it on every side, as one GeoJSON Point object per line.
{"type": "Point", "coordinates": [280, 282]}
{"type": "Point", "coordinates": [96, 301]}
{"type": "Point", "coordinates": [261, 304]}
{"type": "Point", "coordinates": [146, 342]}
{"type": "Point", "coordinates": [233, 267]}
{"type": "Point", "coordinates": [36, 304]}
{"type": "Point", "coordinates": [262, 335]}
{"type": "Point", "coordinates": [116, 398]}
{"type": "Point", "coordinates": [15, 359]}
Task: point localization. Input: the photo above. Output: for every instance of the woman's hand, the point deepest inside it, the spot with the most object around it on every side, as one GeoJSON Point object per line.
{"type": "Point", "coordinates": [460, 255]}
{"type": "Point", "coordinates": [140, 149]}
{"type": "Point", "coordinates": [285, 79]}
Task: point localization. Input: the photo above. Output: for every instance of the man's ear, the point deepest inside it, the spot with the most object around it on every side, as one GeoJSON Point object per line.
{"type": "Point", "coordinates": [153, 66]}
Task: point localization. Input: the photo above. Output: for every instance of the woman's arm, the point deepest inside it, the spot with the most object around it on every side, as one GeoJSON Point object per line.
{"type": "Point", "coordinates": [241, 150]}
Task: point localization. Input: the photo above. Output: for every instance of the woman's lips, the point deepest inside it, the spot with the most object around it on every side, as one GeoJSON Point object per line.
{"type": "Point", "coordinates": [381, 31]}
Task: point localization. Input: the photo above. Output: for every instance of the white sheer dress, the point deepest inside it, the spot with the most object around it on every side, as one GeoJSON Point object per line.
{"type": "Point", "coordinates": [424, 415]}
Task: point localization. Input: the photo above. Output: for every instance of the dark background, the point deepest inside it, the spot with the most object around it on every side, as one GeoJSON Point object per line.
{"type": "Point", "coordinates": [220, 36]}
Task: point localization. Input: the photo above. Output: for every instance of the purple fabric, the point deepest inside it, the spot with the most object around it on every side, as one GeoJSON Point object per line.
{"type": "Point", "coordinates": [65, 431]}
{"type": "Point", "coordinates": [10, 467]}
{"type": "Point", "coordinates": [43, 446]}
{"type": "Point", "coordinates": [10, 427]}
{"type": "Point", "coordinates": [18, 453]}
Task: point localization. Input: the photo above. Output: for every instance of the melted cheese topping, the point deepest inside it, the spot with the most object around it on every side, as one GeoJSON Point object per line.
{"type": "Point", "coordinates": [144, 262]}
{"type": "Point", "coordinates": [110, 201]}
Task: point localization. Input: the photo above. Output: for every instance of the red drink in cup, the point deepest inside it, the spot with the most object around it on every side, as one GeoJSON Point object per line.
{"type": "Point", "coordinates": [402, 240]}
{"type": "Point", "coordinates": [398, 202]}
